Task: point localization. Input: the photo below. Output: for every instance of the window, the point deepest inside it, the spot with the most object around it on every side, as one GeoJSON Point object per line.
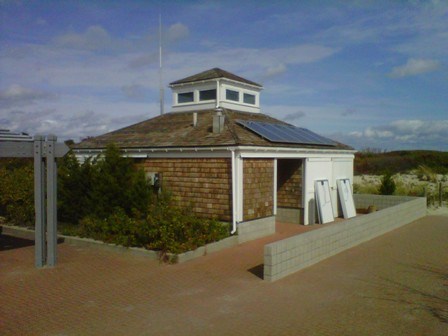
{"type": "Point", "coordinates": [249, 98]}
{"type": "Point", "coordinates": [207, 94]}
{"type": "Point", "coordinates": [232, 95]}
{"type": "Point", "coordinates": [186, 97]}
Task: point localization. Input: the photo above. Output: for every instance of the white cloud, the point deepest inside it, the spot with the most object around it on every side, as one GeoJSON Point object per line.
{"type": "Point", "coordinates": [134, 91]}
{"type": "Point", "coordinates": [177, 32]}
{"type": "Point", "coordinates": [415, 67]}
{"type": "Point", "coordinates": [75, 121]}
{"type": "Point", "coordinates": [400, 134]}
{"type": "Point", "coordinates": [256, 63]}
{"type": "Point", "coordinates": [94, 38]}
{"type": "Point", "coordinates": [17, 95]}
{"type": "Point", "coordinates": [291, 117]}
{"type": "Point", "coordinates": [275, 70]}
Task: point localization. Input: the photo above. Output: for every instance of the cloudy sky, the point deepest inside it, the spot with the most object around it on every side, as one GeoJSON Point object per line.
{"type": "Point", "coordinates": [368, 73]}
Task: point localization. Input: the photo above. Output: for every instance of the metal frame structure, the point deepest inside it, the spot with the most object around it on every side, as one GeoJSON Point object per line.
{"type": "Point", "coordinates": [44, 150]}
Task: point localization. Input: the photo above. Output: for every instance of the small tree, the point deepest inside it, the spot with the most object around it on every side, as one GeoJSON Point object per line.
{"type": "Point", "coordinates": [101, 187]}
{"type": "Point", "coordinates": [74, 185]}
{"type": "Point", "coordinates": [387, 184]}
{"type": "Point", "coordinates": [118, 183]}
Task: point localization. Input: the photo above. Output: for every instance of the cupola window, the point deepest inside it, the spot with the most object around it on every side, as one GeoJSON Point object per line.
{"type": "Point", "coordinates": [249, 99]}
{"type": "Point", "coordinates": [232, 95]}
{"type": "Point", "coordinates": [207, 94]}
{"type": "Point", "coordinates": [185, 97]}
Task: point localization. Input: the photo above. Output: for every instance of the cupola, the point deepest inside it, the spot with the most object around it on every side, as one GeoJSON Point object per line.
{"type": "Point", "coordinates": [215, 88]}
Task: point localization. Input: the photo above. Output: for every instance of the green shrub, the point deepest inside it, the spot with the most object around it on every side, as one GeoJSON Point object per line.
{"type": "Point", "coordinates": [109, 199]}
{"type": "Point", "coordinates": [17, 192]}
{"type": "Point", "coordinates": [376, 162]}
{"type": "Point", "coordinates": [425, 173]}
{"type": "Point", "coordinates": [98, 187]}
{"type": "Point", "coordinates": [387, 186]}
{"type": "Point", "coordinates": [117, 228]}
{"type": "Point", "coordinates": [117, 182]}
{"type": "Point", "coordinates": [367, 188]}
{"type": "Point", "coordinates": [171, 229]}
{"type": "Point", "coordinates": [166, 228]}
{"type": "Point", "coordinates": [74, 184]}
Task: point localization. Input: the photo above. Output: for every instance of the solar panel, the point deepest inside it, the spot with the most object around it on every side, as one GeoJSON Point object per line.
{"type": "Point", "coordinates": [285, 133]}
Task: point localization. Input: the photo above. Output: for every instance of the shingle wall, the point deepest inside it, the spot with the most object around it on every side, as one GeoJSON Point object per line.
{"type": "Point", "coordinates": [289, 183]}
{"type": "Point", "coordinates": [295, 253]}
{"type": "Point", "coordinates": [202, 185]}
{"type": "Point", "coordinates": [258, 187]}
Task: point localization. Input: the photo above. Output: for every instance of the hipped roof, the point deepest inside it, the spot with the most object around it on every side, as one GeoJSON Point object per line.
{"type": "Point", "coordinates": [177, 130]}
{"type": "Point", "coordinates": [214, 73]}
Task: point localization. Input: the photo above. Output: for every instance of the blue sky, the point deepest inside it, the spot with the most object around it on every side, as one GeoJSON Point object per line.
{"type": "Point", "coordinates": [372, 74]}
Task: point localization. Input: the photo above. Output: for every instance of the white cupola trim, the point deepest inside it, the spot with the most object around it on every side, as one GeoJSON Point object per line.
{"type": "Point", "coordinates": [203, 92]}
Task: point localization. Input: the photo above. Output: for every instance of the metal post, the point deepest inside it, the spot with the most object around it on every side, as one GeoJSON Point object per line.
{"type": "Point", "coordinates": [39, 202]}
{"type": "Point", "coordinates": [52, 231]}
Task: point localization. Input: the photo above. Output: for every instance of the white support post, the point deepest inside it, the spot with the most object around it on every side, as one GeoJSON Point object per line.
{"type": "Point", "coordinates": [275, 188]}
{"type": "Point", "coordinates": [239, 187]}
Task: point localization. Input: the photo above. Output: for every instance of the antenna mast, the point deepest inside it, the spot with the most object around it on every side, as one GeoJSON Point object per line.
{"type": "Point", "coordinates": [162, 95]}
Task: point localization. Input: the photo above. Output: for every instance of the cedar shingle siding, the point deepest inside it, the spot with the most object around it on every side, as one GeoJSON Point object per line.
{"type": "Point", "coordinates": [289, 183]}
{"type": "Point", "coordinates": [201, 185]}
{"type": "Point", "coordinates": [258, 188]}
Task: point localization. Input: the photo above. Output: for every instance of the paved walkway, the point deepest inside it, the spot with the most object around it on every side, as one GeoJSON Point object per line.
{"type": "Point", "coordinates": [393, 285]}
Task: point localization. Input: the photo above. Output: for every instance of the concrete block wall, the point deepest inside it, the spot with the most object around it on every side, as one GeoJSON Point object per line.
{"type": "Point", "coordinates": [288, 215]}
{"type": "Point", "coordinates": [255, 229]}
{"type": "Point", "coordinates": [363, 201]}
{"type": "Point", "coordinates": [290, 255]}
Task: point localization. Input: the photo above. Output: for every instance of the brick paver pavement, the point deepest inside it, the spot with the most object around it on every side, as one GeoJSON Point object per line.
{"type": "Point", "coordinates": [393, 285]}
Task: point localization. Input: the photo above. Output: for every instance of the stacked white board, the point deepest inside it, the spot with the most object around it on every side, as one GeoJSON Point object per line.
{"type": "Point", "coordinates": [346, 198]}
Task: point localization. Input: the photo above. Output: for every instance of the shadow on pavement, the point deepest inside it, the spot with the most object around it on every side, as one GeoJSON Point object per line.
{"type": "Point", "coordinates": [11, 243]}
{"type": "Point", "coordinates": [257, 271]}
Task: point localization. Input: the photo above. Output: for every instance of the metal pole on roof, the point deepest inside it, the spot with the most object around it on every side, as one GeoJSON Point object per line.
{"type": "Point", "coordinates": [162, 108]}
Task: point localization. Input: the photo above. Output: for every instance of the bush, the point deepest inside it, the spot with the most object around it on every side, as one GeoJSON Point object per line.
{"type": "Point", "coordinates": [171, 229]}
{"type": "Point", "coordinates": [117, 183]}
{"type": "Point", "coordinates": [387, 186]}
{"type": "Point", "coordinates": [166, 228]}
{"type": "Point", "coordinates": [74, 184]}
{"type": "Point", "coordinates": [17, 191]}
{"type": "Point", "coordinates": [109, 199]}
{"type": "Point", "coordinates": [98, 187]}
{"type": "Point", "coordinates": [117, 228]}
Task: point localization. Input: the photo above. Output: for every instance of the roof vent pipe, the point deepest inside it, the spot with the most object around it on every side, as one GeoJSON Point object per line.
{"type": "Point", "coordinates": [218, 121]}
{"type": "Point", "coordinates": [195, 119]}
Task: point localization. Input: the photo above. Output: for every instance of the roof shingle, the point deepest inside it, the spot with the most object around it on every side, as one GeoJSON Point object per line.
{"type": "Point", "coordinates": [177, 130]}
{"type": "Point", "coordinates": [214, 73]}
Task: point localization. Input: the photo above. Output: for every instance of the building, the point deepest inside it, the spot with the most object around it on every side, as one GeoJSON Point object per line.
{"type": "Point", "coordinates": [219, 155]}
